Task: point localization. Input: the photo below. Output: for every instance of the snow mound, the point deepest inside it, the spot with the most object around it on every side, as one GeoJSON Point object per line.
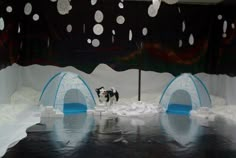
{"type": "Point", "coordinates": [103, 69]}
{"type": "Point", "coordinates": [17, 117]}
{"type": "Point", "coordinates": [228, 112]}
{"type": "Point", "coordinates": [135, 109]}
{"type": "Point", "coordinates": [203, 113]}
{"type": "Point", "coordinates": [9, 112]}
{"type": "Point", "coordinates": [25, 95]}
{"type": "Point", "coordinates": [137, 122]}
{"type": "Point", "coordinates": [14, 130]}
{"type": "Point", "coordinates": [217, 101]}
{"type": "Point", "coordinates": [203, 116]}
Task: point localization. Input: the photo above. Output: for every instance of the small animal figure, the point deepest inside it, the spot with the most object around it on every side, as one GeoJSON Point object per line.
{"type": "Point", "coordinates": [107, 96]}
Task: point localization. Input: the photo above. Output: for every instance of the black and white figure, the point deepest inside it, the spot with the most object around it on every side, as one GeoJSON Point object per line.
{"type": "Point", "coordinates": [108, 97]}
{"type": "Point", "coordinates": [102, 96]}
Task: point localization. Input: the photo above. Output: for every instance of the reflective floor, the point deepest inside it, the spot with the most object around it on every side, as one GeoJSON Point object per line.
{"type": "Point", "coordinates": [158, 136]}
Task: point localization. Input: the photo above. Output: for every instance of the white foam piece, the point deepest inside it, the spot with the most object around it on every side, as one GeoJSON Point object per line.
{"type": "Point", "coordinates": [134, 108]}
{"type": "Point", "coordinates": [105, 113]}
{"type": "Point", "coordinates": [100, 110]}
{"type": "Point", "coordinates": [49, 108]}
{"type": "Point", "coordinates": [49, 111]}
{"type": "Point", "coordinates": [101, 104]}
{"type": "Point", "coordinates": [203, 115]}
{"type": "Point", "coordinates": [58, 114]}
{"type": "Point", "coordinates": [100, 107]}
{"type": "Point", "coordinates": [211, 118]}
{"type": "Point", "coordinates": [228, 112]}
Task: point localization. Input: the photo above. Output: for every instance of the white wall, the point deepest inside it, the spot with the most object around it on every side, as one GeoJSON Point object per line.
{"type": "Point", "coordinates": [9, 82]}
{"type": "Point", "coordinates": [220, 85]}
{"type": "Point", "coordinates": [36, 76]}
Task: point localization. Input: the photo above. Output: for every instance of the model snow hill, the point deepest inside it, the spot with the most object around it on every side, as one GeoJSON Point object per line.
{"type": "Point", "coordinates": [66, 92]}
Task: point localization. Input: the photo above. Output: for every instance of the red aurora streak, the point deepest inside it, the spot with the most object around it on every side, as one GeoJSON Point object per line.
{"type": "Point", "coordinates": [187, 56]}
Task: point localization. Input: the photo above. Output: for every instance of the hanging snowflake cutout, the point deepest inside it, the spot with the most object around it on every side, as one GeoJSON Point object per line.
{"type": "Point", "coordinates": [95, 42]}
{"type": "Point", "coordinates": [63, 7]}
{"type": "Point", "coordinates": [93, 2]}
{"type": "Point", "coordinates": [9, 9]}
{"type": "Point", "coordinates": [191, 39]}
{"type": "Point", "coordinates": [120, 19]}
{"type": "Point", "coordinates": [130, 35]}
{"type": "Point", "coordinates": [28, 9]}
{"type": "Point", "coordinates": [145, 31]}
{"type": "Point", "coordinates": [69, 28]}
{"type": "Point", "coordinates": [98, 29]}
{"type": "Point", "coordinates": [98, 16]}
{"type": "Point", "coordinates": [1, 24]}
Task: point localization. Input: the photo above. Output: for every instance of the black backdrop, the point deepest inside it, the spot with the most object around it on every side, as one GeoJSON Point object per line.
{"type": "Point", "coordinates": [47, 42]}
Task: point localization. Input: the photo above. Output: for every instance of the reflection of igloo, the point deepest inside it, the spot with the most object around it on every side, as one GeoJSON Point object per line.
{"type": "Point", "coordinates": [181, 128]}
{"type": "Point", "coordinates": [71, 130]}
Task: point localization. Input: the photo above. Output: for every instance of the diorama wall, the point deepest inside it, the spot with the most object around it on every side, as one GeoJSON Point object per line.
{"type": "Point", "coordinates": [126, 82]}
{"type": "Point", "coordinates": [195, 38]}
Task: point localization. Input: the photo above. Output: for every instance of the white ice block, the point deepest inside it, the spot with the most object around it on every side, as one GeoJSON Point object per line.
{"type": "Point", "coordinates": [101, 105]}
{"type": "Point", "coordinates": [100, 109]}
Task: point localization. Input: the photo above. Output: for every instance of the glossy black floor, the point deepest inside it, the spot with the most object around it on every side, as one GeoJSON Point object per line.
{"type": "Point", "coordinates": [159, 136]}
